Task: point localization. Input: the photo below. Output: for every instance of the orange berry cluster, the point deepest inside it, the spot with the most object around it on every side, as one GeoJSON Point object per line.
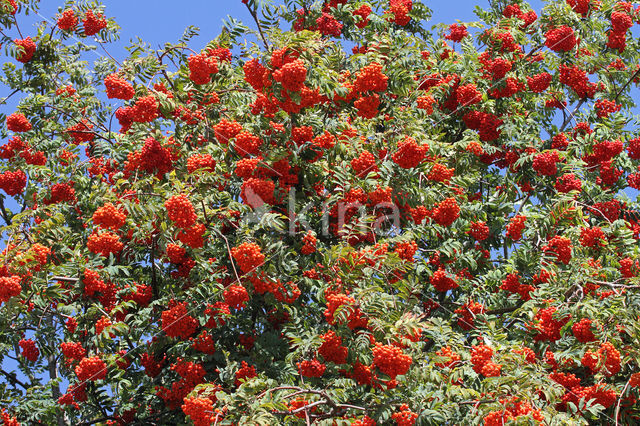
{"type": "Point", "coordinates": [313, 368]}
{"type": "Point", "coordinates": [29, 350]}
{"type": "Point", "coordinates": [91, 369]}
{"type": "Point", "coordinates": [118, 88]}
{"type": "Point", "coordinates": [248, 256]}
{"type": "Point", "coordinates": [390, 360]}
{"type": "Point", "coordinates": [236, 296]}
{"type": "Point", "coordinates": [481, 360]}
{"type": "Point", "coordinates": [104, 243]}
{"type": "Point", "coordinates": [176, 321]}
{"type": "Point", "coordinates": [409, 153]}
{"type": "Point", "coordinates": [109, 217]}
{"type": "Point", "coordinates": [17, 122]}
{"type": "Point", "coordinates": [181, 211]}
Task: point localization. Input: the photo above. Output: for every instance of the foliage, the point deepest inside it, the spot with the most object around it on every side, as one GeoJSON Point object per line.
{"type": "Point", "coordinates": [340, 216]}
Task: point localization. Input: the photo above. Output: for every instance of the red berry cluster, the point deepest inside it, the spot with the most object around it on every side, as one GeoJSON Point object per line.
{"type": "Point", "coordinates": [406, 250]}
{"type": "Point", "coordinates": [181, 211]}
{"type": "Point", "coordinates": [547, 326]}
{"type": "Point", "coordinates": [456, 33]}
{"type": "Point", "coordinates": [236, 296]}
{"type": "Point", "coordinates": [481, 360]}
{"type": "Point", "coordinates": [313, 368]}
{"type": "Point", "coordinates": [390, 360]}
{"type": "Point", "coordinates": [28, 48]}
{"type": "Point", "coordinates": [515, 227]}
{"type": "Point", "coordinates": [479, 230]}
{"type": "Point", "coordinates": [512, 284]}
{"type": "Point", "coordinates": [485, 123]}
{"type": "Point", "coordinates": [582, 331]}
{"type": "Point", "coordinates": [13, 183]}
{"type": "Point", "coordinates": [291, 75]}
{"type": "Point", "coordinates": [329, 25]}
{"type": "Point", "coordinates": [247, 144]}
{"type": "Point", "coordinates": [93, 23]}
{"type": "Point", "coordinates": [592, 237]}
{"type": "Point", "coordinates": [578, 80]}
{"type": "Point", "coordinates": [409, 154]}
{"type": "Point", "coordinates": [568, 182]}
{"type": "Point", "coordinates": [468, 314]}
{"type": "Point", "coordinates": [203, 162]}
{"type": "Point", "coordinates": [201, 67]}
{"type": "Point", "coordinates": [370, 79]}
{"type": "Point", "coordinates": [452, 357]}
{"type": "Point", "coordinates": [364, 164]}
{"type": "Point", "coordinates": [109, 217]}
{"type": "Point", "coordinates": [363, 12]}
{"type": "Point", "coordinates": [199, 410]}
{"type": "Point", "coordinates": [560, 247]}
{"type": "Point", "coordinates": [540, 82]}
{"type": "Point", "coordinates": [257, 191]}
{"type": "Point", "coordinates": [244, 373]}
{"type": "Point", "coordinates": [561, 39]}
{"type": "Point", "coordinates": [73, 350]}
{"type": "Point", "coordinates": [440, 173]}
{"type": "Point", "coordinates": [104, 243]}
{"type": "Point", "coordinates": [332, 349]}
{"type": "Point", "coordinates": [68, 20]}
{"type": "Point", "coordinates": [30, 351]}
{"type": "Point", "coordinates": [118, 88]}
{"type": "Point", "coordinates": [91, 369]}
{"type": "Point", "coordinates": [621, 22]}
{"type": "Point", "coordinates": [604, 108]}
{"type": "Point", "coordinates": [367, 106]}
{"type": "Point", "coordinates": [545, 163]}
{"type": "Point", "coordinates": [441, 281]}
{"type": "Point", "coordinates": [404, 417]}
{"type": "Point", "coordinates": [17, 122]}
{"type": "Point", "coordinates": [446, 212]}
{"type": "Point", "coordinates": [248, 256]}
{"type": "Point", "coordinates": [468, 95]}
{"type": "Point", "coordinates": [399, 11]}
{"type": "Point", "coordinates": [204, 343]}
{"type": "Point", "coordinates": [176, 321]}
{"type": "Point", "coordinates": [309, 243]}
{"type": "Point", "coordinates": [606, 356]}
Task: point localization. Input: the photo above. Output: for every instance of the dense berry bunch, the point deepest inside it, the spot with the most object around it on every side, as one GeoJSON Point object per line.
{"type": "Point", "coordinates": [118, 87]}
{"type": "Point", "coordinates": [93, 23]}
{"type": "Point", "coordinates": [176, 322]}
{"type": "Point", "coordinates": [561, 39]}
{"type": "Point", "coordinates": [367, 106]}
{"type": "Point", "coordinates": [257, 191]}
{"type": "Point", "coordinates": [309, 243]}
{"type": "Point", "coordinates": [181, 211]}
{"type": "Point", "coordinates": [13, 183]}
{"type": "Point", "coordinates": [236, 296]}
{"type": "Point", "coordinates": [560, 247]}
{"type": "Point", "coordinates": [457, 32]}
{"type": "Point", "coordinates": [404, 417]}
{"type": "Point", "coordinates": [109, 217]}
{"type": "Point", "coordinates": [441, 281]}
{"type": "Point", "coordinates": [391, 360]}
{"type": "Point", "coordinates": [548, 324]}
{"type": "Point", "coordinates": [468, 95]}
{"type": "Point", "coordinates": [67, 20]}
{"type": "Point", "coordinates": [592, 237]}
{"type": "Point", "coordinates": [479, 231]}
{"type": "Point", "coordinates": [582, 331]}
{"type": "Point", "coordinates": [409, 153]}
{"type": "Point", "coordinates": [313, 368]}
{"type": "Point", "coordinates": [568, 182]}
{"type": "Point", "coordinates": [17, 122]}
{"type": "Point", "coordinates": [604, 108]}
{"type": "Point", "coordinates": [29, 350]}
{"type": "Point", "coordinates": [201, 67]}
{"type": "Point", "coordinates": [578, 80]}
{"type": "Point", "coordinates": [481, 356]}
{"type": "Point", "coordinates": [199, 410]}
{"type": "Point", "coordinates": [28, 48]}
{"type": "Point", "coordinates": [104, 243]}
{"type": "Point", "coordinates": [332, 349]}
{"type": "Point", "coordinates": [468, 314]}
{"type": "Point", "coordinates": [545, 164]}
{"type": "Point", "coordinates": [371, 78]}
{"type": "Point", "coordinates": [446, 212]}
{"type": "Point", "coordinates": [512, 284]}
{"type": "Point", "coordinates": [91, 369]}
{"type": "Point", "coordinates": [9, 287]}
{"type": "Point", "coordinates": [73, 350]}
{"type": "Point", "coordinates": [248, 256]}
{"type": "Point", "coordinates": [291, 75]}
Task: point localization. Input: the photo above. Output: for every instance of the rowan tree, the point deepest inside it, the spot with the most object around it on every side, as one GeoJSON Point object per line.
{"type": "Point", "coordinates": [334, 214]}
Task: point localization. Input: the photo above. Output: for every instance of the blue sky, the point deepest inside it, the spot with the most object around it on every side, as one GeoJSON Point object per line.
{"type": "Point", "coordinates": [161, 21]}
